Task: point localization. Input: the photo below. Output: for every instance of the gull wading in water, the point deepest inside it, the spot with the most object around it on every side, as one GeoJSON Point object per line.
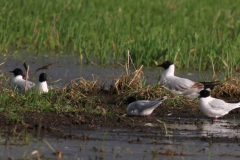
{"type": "Point", "coordinates": [213, 107]}
{"type": "Point", "coordinates": [18, 83]}
{"type": "Point", "coordinates": [143, 107]}
{"type": "Point", "coordinates": [42, 86]}
{"type": "Point", "coordinates": [183, 86]}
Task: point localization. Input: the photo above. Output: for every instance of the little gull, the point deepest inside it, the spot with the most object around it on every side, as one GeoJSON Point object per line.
{"type": "Point", "coordinates": [42, 86]}
{"type": "Point", "coordinates": [18, 83]}
{"type": "Point", "coordinates": [213, 107]}
{"type": "Point", "coordinates": [143, 107]}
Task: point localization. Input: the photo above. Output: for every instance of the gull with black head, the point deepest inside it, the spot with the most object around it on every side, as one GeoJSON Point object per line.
{"type": "Point", "coordinates": [42, 86]}
{"type": "Point", "coordinates": [183, 86]}
{"type": "Point", "coordinates": [18, 83]}
{"type": "Point", "coordinates": [213, 107]}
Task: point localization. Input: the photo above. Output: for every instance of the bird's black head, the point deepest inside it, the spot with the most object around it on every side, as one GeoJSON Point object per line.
{"type": "Point", "coordinates": [131, 99]}
{"type": "Point", "coordinates": [166, 64]}
{"type": "Point", "coordinates": [204, 93]}
{"type": "Point", "coordinates": [42, 77]}
{"type": "Point", "coordinates": [17, 72]}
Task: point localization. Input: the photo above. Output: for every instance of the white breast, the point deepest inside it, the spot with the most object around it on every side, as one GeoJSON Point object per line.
{"type": "Point", "coordinates": [42, 87]}
{"type": "Point", "coordinates": [204, 107]}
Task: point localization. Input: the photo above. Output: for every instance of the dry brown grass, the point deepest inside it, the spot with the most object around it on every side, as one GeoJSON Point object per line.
{"type": "Point", "coordinates": [82, 98]}
{"type": "Point", "coordinates": [131, 84]}
{"type": "Point", "coordinates": [125, 86]}
{"type": "Point", "coordinates": [228, 90]}
{"type": "Point", "coordinates": [129, 81]}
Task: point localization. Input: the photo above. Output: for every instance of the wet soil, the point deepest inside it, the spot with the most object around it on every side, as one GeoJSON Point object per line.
{"type": "Point", "coordinates": [72, 135]}
{"type": "Point", "coordinates": [49, 122]}
{"type": "Point", "coordinates": [186, 138]}
{"type": "Point", "coordinates": [189, 132]}
{"type": "Point", "coordinates": [68, 67]}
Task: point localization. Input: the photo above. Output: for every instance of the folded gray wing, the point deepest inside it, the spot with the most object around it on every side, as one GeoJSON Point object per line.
{"type": "Point", "coordinates": [218, 104]}
{"type": "Point", "coordinates": [30, 84]}
{"type": "Point", "coordinates": [144, 104]}
{"type": "Point", "coordinates": [21, 85]}
{"type": "Point", "coordinates": [156, 99]}
{"type": "Point", "coordinates": [179, 84]}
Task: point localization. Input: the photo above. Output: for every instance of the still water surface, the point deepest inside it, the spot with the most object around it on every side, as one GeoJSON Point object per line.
{"type": "Point", "coordinates": [69, 67]}
{"type": "Point", "coordinates": [183, 141]}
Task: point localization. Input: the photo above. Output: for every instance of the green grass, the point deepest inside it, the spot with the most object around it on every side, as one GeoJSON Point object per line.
{"type": "Point", "coordinates": [18, 105]}
{"type": "Point", "coordinates": [191, 33]}
{"type": "Point", "coordinates": [80, 99]}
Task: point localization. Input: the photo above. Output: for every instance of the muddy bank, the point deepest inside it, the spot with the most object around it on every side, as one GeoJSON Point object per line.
{"type": "Point", "coordinates": [131, 138]}
{"type": "Point", "coordinates": [186, 134]}
{"type": "Point", "coordinates": [47, 122]}
{"type": "Point", "coordinates": [84, 111]}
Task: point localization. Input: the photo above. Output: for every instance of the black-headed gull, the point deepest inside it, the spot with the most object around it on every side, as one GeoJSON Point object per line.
{"type": "Point", "coordinates": [42, 86]}
{"type": "Point", "coordinates": [18, 83]}
{"type": "Point", "coordinates": [213, 107]}
{"type": "Point", "coordinates": [143, 107]}
{"type": "Point", "coordinates": [183, 86]}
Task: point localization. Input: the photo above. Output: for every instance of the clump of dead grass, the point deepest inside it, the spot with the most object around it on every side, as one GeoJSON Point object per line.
{"type": "Point", "coordinates": [128, 85]}
{"type": "Point", "coordinates": [128, 82]}
{"type": "Point", "coordinates": [229, 89]}
{"type": "Point", "coordinates": [82, 84]}
{"type": "Point", "coordinates": [78, 91]}
{"type": "Point", "coordinates": [81, 91]}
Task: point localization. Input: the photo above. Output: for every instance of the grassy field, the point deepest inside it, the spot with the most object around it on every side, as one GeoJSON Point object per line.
{"type": "Point", "coordinates": [194, 34]}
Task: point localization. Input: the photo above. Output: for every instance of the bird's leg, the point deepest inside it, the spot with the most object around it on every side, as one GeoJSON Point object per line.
{"type": "Point", "coordinates": [215, 118]}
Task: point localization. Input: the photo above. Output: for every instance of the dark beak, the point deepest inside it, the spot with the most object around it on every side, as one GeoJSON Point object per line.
{"type": "Point", "coordinates": [160, 65]}
{"type": "Point", "coordinates": [11, 71]}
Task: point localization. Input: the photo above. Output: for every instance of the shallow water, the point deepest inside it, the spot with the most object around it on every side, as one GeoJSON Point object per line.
{"type": "Point", "coordinates": [69, 67]}
{"type": "Point", "coordinates": [183, 141]}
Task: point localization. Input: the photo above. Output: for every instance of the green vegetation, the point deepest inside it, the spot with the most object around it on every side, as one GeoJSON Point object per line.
{"type": "Point", "coordinates": [80, 98]}
{"type": "Point", "coordinates": [69, 100]}
{"type": "Point", "coordinates": [17, 106]}
{"type": "Point", "coordinates": [196, 34]}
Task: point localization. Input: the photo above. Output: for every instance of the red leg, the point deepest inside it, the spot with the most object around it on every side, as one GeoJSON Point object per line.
{"type": "Point", "coordinates": [215, 118]}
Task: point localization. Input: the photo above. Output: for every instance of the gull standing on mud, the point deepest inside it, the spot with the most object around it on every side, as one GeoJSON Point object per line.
{"type": "Point", "coordinates": [183, 86]}
{"type": "Point", "coordinates": [18, 82]}
{"type": "Point", "coordinates": [143, 107]}
{"type": "Point", "coordinates": [213, 107]}
{"type": "Point", "coordinates": [42, 86]}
